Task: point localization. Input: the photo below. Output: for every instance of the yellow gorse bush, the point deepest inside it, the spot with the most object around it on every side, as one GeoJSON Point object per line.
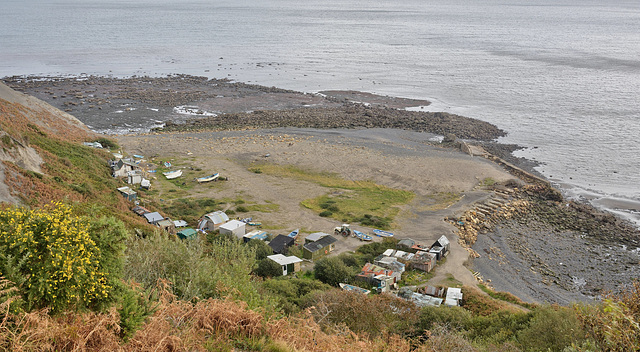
{"type": "Point", "coordinates": [52, 256]}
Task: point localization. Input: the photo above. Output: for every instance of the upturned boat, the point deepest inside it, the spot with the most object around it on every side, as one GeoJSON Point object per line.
{"type": "Point", "coordinates": [382, 233]}
{"type": "Point", "coordinates": [170, 175]}
{"type": "Point", "coordinates": [208, 178]}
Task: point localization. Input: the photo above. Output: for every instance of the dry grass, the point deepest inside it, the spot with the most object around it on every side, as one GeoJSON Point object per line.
{"type": "Point", "coordinates": [181, 326]}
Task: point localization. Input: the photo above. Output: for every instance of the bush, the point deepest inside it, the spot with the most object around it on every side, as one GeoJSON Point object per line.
{"type": "Point", "coordinates": [551, 328]}
{"type": "Point", "coordinates": [268, 268]}
{"type": "Point", "coordinates": [614, 324]}
{"type": "Point", "coordinates": [261, 248]}
{"type": "Point", "coordinates": [53, 257]}
{"type": "Point", "coordinates": [135, 307]}
{"type": "Point", "coordinates": [332, 271]}
{"type": "Point", "coordinates": [370, 314]}
{"type": "Point", "coordinates": [454, 318]}
{"type": "Point", "coordinates": [108, 143]}
{"type": "Point", "coordinates": [326, 214]}
{"type": "Point", "coordinates": [375, 221]}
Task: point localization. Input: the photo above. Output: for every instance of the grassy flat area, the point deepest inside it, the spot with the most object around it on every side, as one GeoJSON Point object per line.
{"type": "Point", "coordinates": [442, 200]}
{"type": "Point", "coordinates": [349, 201]}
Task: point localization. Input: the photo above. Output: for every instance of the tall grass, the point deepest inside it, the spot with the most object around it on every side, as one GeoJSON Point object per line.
{"type": "Point", "coordinates": [197, 269]}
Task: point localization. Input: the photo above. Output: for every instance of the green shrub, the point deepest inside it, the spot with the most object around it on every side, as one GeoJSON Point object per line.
{"type": "Point", "coordinates": [332, 271]}
{"type": "Point", "coordinates": [551, 328]}
{"type": "Point", "coordinates": [261, 248]}
{"type": "Point", "coordinates": [375, 221]}
{"type": "Point", "coordinates": [108, 143]}
{"type": "Point", "coordinates": [268, 268]}
{"type": "Point", "coordinates": [57, 259]}
{"type": "Point", "coordinates": [7, 141]}
{"type": "Point", "coordinates": [455, 318]}
{"type": "Point", "coordinates": [326, 214]}
{"type": "Point", "coordinates": [136, 305]}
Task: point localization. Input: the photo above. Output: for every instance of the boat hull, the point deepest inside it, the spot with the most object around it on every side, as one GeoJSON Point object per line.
{"type": "Point", "coordinates": [172, 174]}
{"type": "Point", "coordinates": [294, 233]}
{"type": "Point", "coordinates": [208, 178]}
{"type": "Point", "coordinates": [381, 233]}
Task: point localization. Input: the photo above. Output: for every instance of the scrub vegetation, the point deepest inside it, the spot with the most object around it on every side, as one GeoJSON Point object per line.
{"type": "Point", "coordinates": [363, 202]}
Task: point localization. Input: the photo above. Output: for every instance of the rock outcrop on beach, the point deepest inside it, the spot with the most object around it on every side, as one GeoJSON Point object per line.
{"type": "Point", "coordinates": [349, 115]}
{"type": "Point", "coordinates": [235, 105]}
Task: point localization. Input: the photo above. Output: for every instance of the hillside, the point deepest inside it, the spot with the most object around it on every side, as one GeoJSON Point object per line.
{"type": "Point", "coordinates": [84, 273]}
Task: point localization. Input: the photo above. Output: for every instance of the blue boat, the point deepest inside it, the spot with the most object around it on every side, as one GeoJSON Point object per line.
{"type": "Point", "coordinates": [138, 156]}
{"type": "Point", "coordinates": [294, 233]}
{"type": "Point", "coordinates": [362, 236]}
{"type": "Point", "coordinates": [382, 233]}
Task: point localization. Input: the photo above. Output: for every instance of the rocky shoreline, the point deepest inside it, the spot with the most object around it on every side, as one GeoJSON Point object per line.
{"type": "Point", "coordinates": [529, 241]}
{"type": "Point", "coordinates": [238, 105]}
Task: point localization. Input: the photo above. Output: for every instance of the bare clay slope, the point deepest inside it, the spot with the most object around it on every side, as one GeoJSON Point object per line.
{"type": "Point", "coordinates": [20, 114]}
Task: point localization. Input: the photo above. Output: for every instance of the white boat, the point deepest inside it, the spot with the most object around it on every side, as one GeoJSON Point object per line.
{"type": "Point", "coordinates": [382, 233]}
{"type": "Point", "coordinates": [170, 175]}
{"type": "Point", "coordinates": [208, 178]}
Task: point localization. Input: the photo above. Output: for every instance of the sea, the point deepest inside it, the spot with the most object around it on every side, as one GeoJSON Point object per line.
{"type": "Point", "coordinates": [562, 77]}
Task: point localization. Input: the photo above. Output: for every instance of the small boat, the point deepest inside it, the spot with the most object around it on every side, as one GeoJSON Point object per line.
{"type": "Point", "coordinates": [362, 236]}
{"type": "Point", "coordinates": [138, 156]}
{"type": "Point", "coordinates": [167, 164]}
{"type": "Point", "coordinates": [251, 223]}
{"type": "Point", "coordinates": [352, 288]}
{"type": "Point", "coordinates": [382, 233]}
{"type": "Point", "coordinates": [208, 178]}
{"type": "Point", "coordinates": [170, 175]}
{"type": "Point", "coordinates": [294, 233]}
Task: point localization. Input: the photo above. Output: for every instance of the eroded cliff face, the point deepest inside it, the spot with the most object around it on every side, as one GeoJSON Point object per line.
{"type": "Point", "coordinates": [20, 115]}
{"type": "Point", "coordinates": [43, 115]}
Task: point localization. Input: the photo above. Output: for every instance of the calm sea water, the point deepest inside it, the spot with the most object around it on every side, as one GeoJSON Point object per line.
{"type": "Point", "coordinates": [562, 77]}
